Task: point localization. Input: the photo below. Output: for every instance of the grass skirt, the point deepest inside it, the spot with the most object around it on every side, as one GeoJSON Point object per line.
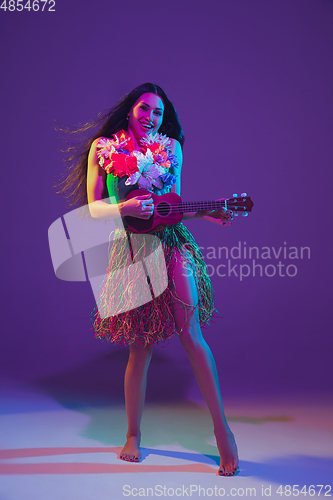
{"type": "Point", "coordinates": [135, 302]}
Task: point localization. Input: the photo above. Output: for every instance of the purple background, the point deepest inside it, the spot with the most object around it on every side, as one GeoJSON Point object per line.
{"type": "Point", "coordinates": [252, 82]}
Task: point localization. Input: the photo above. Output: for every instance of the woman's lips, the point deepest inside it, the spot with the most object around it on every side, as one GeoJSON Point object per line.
{"type": "Point", "coordinates": [146, 126]}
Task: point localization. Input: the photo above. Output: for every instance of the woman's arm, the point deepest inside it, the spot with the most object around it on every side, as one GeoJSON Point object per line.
{"type": "Point", "coordinates": [139, 207]}
{"type": "Point", "coordinates": [217, 216]}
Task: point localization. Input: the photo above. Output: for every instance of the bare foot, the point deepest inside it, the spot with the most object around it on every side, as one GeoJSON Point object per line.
{"type": "Point", "coordinates": [228, 452]}
{"type": "Point", "coordinates": [131, 450]}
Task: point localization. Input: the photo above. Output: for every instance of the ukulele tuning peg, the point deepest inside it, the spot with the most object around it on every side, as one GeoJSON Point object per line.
{"type": "Point", "coordinates": [236, 214]}
{"type": "Point", "coordinates": [234, 195]}
{"type": "Point", "coordinates": [244, 194]}
{"type": "Point", "coordinates": [245, 214]}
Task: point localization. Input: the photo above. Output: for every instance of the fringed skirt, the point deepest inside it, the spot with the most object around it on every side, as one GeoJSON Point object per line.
{"type": "Point", "coordinates": [137, 294]}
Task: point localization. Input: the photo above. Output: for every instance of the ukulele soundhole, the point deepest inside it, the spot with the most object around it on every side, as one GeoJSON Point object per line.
{"type": "Point", "coordinates": [163, 209]}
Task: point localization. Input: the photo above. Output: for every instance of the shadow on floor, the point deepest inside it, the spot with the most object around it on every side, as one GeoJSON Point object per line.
{"type": "Point", "coordinates": [100, 382]}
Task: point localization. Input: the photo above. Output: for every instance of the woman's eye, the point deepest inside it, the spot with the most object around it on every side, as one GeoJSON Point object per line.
{"type": "Point", "coordinates": [158, 113]}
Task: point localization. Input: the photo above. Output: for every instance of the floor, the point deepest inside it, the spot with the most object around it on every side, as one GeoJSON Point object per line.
{"type": "Point", "coordinates": [55, 448]}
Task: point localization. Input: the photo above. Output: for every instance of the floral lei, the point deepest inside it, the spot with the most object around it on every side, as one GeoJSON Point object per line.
{"type": "Point", "coordinates": [149, 167]}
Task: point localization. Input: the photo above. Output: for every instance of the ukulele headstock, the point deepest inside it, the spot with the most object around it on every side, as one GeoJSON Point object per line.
{"type": "Point", "coordinates": [242, 203]}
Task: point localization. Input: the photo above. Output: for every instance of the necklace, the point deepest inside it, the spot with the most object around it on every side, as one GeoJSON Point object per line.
{"type": "Point", "coordinates": [149, 167]}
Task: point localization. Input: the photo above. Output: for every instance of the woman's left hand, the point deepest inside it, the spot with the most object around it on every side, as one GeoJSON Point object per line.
{"type": "Point", "coordinates": [219, 216]}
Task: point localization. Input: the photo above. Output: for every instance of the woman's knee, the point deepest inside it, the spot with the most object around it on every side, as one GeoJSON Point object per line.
{"type": "Point", "coordinates": [185, 317]}
{"type": "Point", "coordinates": [190, 335]}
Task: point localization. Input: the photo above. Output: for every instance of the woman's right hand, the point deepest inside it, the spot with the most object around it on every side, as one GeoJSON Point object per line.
{"type": "Point", "coordinates": [141, 207]}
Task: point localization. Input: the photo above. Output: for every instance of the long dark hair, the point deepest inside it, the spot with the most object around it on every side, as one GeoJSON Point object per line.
{"type": "Point", "coordinates": [74, 186]}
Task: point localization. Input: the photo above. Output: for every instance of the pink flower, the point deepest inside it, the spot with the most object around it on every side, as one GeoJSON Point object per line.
{"type": "Point", "coordinates": [122, 164]}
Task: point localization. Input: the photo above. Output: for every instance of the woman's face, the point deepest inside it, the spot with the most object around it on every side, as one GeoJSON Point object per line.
{"type": "Point", "coordinates": [146, 116]}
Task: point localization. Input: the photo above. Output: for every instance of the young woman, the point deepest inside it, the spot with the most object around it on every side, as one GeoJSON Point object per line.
{"type": "Point", "coordinates": [127, 153]}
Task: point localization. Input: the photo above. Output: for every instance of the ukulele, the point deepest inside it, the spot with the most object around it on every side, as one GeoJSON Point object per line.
{"type": "Point", "coordinates": [169, 209]}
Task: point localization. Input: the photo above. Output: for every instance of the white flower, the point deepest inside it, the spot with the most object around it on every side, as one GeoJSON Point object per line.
{"type": "Point", "coordinates": [159, 138]}
{"type": "Point", "coordinates": [149, 172]}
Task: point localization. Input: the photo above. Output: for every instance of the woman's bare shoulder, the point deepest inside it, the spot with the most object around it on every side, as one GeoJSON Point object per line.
{"type": "Point", "coordinates": [174, 143]}
{"type": "Point", "coordinates": [100, 141]}
{"type": "Point", "coordinates": [98, 144]}
{"type": "Point", "coordinates": [176, 149]}
{"type": "Point", "coordinates": [95, 147]}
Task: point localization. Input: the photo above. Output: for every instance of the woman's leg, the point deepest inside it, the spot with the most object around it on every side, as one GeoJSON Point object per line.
{"type": "Point", "coordinates": [135, 391]}
{"type": "Point", "coordinates": [203, 364]}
